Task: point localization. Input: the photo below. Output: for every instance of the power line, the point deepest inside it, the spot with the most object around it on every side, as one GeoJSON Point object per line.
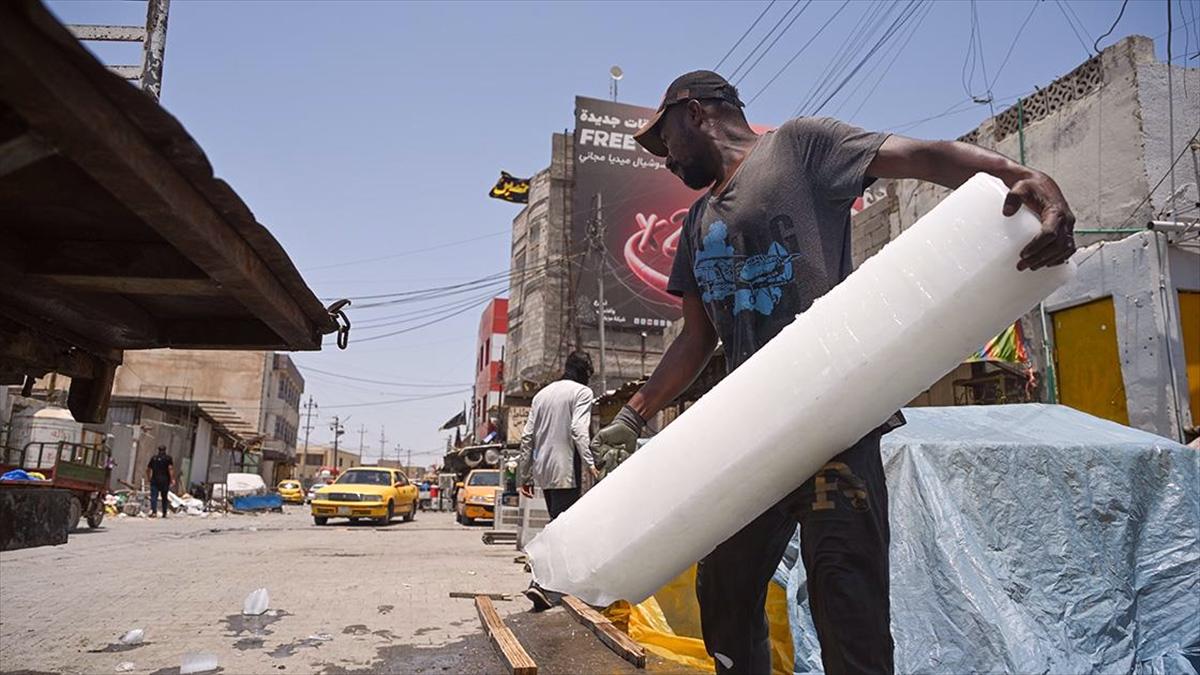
{"type": "Point", "coordinates": [410, 399]}
{"type": "Point", "coordinates": [1157, 185]}
{"type": "Point", "coordinates": [772, 45]}
{"type": "Point", "coordinates": [408, 253]}
{"type": "Point", "coordinates": [798, 52]}
{"type": "Point", "coordinates": [343, 376]}
{"type": "Point", "coordinates": [1012, 45]}
{"type": "Point", "coordinates": [739, 40]}
{"type": "Point", "coordinates": [903, 45]}
{"type": "Point", "coordinates": [764, 38]}
{"type": "Point", "coordinates": [1073, 29]}
{"type": "Point", "coordinates": [1096, 44]}
{"type": "Point", "coordinates": [896, 25]}
{"type": "Point", "coordinates": [845, 53]}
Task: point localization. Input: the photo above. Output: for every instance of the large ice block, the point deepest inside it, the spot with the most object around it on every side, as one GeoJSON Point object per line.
{"type": "Point", "coordinates": [905, 318]}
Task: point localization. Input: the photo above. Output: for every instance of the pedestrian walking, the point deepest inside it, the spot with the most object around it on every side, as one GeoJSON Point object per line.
{"type": "Point", "coordinates": [160, 474]}
{"type": "Point", "coordinates": [769, 236]}
{"type": "Point", "coordinates": [555, 446]}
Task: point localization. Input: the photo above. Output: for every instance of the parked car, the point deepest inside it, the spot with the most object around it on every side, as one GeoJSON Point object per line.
{"type": "Point", "coordinates": [378, 493]}
{"type": "Point", "coordinates": [313, 489]}
{"type": "Point", "coordinates": [477, 497]}
{"type": "Point", "coordinates": [291, 491]}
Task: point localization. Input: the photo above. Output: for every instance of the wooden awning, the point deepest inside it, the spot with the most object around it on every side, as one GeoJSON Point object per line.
{"type": "Point", "coordinates": [114, 232]}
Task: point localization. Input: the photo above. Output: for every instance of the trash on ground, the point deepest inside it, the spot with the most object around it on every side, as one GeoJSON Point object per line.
{"type": "Point", "coordinates": [256, 603]}
{"type": "Point", "coordinates": [197, 663]}
{"type": "Point", "coordinates": [133, 637]}
{"type": "Point", "coordinates": [125, 666]}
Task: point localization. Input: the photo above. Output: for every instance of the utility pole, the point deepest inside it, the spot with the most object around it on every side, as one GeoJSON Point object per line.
{"type": "Point", "coordinates": [338, 430]}
{"type": "Point", "coordinates": [408, 462]}
{"type": "Point", "coordinates": [308, 425]}
{"type": "Point", "coordinates": [362, 434]}
{"type": "Point", "coordinates": [596, 235]}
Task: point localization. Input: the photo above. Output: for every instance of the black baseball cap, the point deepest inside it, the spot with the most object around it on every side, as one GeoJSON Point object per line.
{"type": "Point", "coordinates": [699, 85]}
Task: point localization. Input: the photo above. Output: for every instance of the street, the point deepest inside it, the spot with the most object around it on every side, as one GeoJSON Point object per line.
{"type": "Point", "coordinates": [343, 598]}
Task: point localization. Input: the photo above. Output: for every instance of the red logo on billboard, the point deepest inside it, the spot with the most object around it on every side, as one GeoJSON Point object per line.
{"type": "Point", "coordinates": [650, 251]}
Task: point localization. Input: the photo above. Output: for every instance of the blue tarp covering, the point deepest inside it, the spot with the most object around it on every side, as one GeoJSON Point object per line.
{"type": "Point", "coordinates": [258, 502]}
{"type": "Point", "coordinates": [1034, 539]}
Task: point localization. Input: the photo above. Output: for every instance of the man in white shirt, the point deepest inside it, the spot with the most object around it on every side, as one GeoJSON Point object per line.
{"type": "Point", "coordinates": [555, 444]}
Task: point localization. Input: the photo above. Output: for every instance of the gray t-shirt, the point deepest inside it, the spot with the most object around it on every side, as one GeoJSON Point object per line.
{"type": "Point", "coordinates": [778, 237]}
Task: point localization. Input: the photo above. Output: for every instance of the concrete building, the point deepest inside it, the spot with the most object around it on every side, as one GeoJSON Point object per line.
{"type": "Point", "coordinates": [543, 325]}
{"type": "Point", "coordinates": [262, 388]}
{"type": "Point", "coordinates": [1103, 132]}
{"type": "Point", "coordinates": [489, 368]}
{"type": "Point", "coordinates": [310, 463]}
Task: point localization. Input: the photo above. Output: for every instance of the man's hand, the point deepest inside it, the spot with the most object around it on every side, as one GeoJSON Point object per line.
{"type": "Point", "coordinates": [616, 442]}
{"type": "Point", "coordinates": [1055, 244]}
{"type": "Point", "coordinates": [595, 473]}
{"type": "Point", "coordinates": [527, 490]}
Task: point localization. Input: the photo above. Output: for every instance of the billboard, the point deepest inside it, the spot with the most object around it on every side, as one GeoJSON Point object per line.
{"type": "Point", "coordinates": [643, 207]}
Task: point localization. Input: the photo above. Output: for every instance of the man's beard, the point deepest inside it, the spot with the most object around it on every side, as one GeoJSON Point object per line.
{"type": "Point", "coordinates": [694, 177]}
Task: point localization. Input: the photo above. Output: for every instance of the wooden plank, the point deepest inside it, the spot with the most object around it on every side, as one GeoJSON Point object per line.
{"type": "Point", "coordinates": [64, 107]}
{"type": "Point", "coordinates": [503, 597]}
{"type": "Point", "coordinates": [516, 659]}
{"type": "Point", "coordinates": [131, 285]}
{"type": "Point", "coordinates": [22, 151]}
{"type": "Point", "coordinates": [622, 644]}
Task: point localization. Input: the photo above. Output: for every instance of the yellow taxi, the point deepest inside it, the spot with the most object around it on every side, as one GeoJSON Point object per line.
{"type": "Point", "coordinates": [374, 492]}
{"type": "Point", "coordinates": [477, 497]}
{"type": "Point", "coordinates": [291, 491]}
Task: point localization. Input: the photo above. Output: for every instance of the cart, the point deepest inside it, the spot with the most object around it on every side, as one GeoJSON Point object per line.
{"type": "Point", "coordinates": [82, 470]}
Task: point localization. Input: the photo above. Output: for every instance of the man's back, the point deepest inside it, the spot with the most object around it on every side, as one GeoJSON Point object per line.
{"type": "Point", "coordinates": [558, 428]}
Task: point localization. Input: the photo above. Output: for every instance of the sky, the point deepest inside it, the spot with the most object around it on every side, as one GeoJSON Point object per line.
{"type": "Point", "coordinates": [365, 135]}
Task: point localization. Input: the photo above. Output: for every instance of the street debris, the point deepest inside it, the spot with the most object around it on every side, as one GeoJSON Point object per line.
{"type": "Point", "coordinates": [133, 637]}
{"type": "Point", "coordinates": [125, 666]}
{"type": "Point", "coordinates": [197, 663]}
{"type": "Point", "coordinates": [256, 603]}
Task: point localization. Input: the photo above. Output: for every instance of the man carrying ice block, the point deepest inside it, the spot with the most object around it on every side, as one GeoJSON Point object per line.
{"type": "Point", "coordinates": [771, 235]}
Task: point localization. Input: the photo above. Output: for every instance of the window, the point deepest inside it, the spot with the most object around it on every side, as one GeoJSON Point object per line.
{"type": "Point", "coordinates": [400, 478]}
{"type": "Point", "coordinates": [313, 460]}
{"type": "Point", "coordinates": [484, 478]}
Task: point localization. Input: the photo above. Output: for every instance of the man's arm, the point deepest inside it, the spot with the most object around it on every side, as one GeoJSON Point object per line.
{"type": "Point", "coordinates": [581, 429]}
{"type": "Point", "coordinates": [681, 363]}
{"type": "Point", "coordinates": [171, 473]}
{"type": "Point", "coordinates": [525, 464]}
{"type": "Point", "coordinates": [951, 163]}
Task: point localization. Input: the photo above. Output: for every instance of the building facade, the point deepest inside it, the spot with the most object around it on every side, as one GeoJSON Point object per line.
{"type": "Point", "coordinates": [1103, 132]}
{"type": "Point", "coordinates": [262, 388]}
{"type": "Point", "coordinates": [543, 315]}
{"type": "Point", "coordinates": [309, 464]}
{"type": "Point", "coordinates": [489, 368]}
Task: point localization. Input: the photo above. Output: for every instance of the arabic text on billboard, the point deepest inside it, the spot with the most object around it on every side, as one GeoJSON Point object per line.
{"type": "Point", "coordinates": [644, 205]}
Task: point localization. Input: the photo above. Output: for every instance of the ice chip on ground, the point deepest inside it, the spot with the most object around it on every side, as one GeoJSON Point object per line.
{"type": "Point", "coordinates": [133, 637]}
{"type": "Point", "coordinates": [320, 637]}
{"type": "Point", "coordinates": [256, 603]}
{"type": "Point", "coordinates": [125, 666]}
{"type": "Point", "coordinates": [197, 663]}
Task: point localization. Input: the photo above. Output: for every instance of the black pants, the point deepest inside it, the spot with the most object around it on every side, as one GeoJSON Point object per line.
{"type": "Point", "coordinates": [159, 490]}
{"type": "Point", "coordinates": [842, 512]}
{"type": "Point", "coordinates": [561, 499]}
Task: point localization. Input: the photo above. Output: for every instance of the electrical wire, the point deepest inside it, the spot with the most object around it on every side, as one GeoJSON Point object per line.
{"type": "Point", "coordinates": [1012, 45]}
{"type": "Point", "coordinates": [739, 40]}
{"type": "Point", "coordinates": [772, 45]}
{"type": "Point", "coordinates": [395, 401]}
{"type": "Point", "coordinates": [408, 253]}
{"type": "Point", "coordinates": [799, 52]}
{"type": "Point", "coordinates": [390, 383]}
{"type": "Point", "coordinates": [764, 39]}
{"type": "Point", "coordinates": [865, 26]}
{"type": "Point", "coordinates": [895, 55]}
{"type": "Point", "coordinates": [1154, 189]}
{"type": "Point", "coordinates": [1096, 44]}
{"type": "Point", "coordinates": [1070, 23]}
{"type": "Point", "coordinates": [906, 14]}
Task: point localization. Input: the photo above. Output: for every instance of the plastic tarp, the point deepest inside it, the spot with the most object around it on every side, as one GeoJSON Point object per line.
{"type": "Point", "coordinates": [245, 484]}
{"type": "Point", "coordinates": [1034, 539]}
{"type": "Point", "coordinates": [258, 502]}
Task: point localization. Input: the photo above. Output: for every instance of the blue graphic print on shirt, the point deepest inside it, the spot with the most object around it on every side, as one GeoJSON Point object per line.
{"type": "Point", "coordinates": [756, 282]}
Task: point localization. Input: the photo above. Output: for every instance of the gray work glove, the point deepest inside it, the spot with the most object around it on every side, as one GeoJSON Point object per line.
{"type": "Point", "coordinates": [616, 442]}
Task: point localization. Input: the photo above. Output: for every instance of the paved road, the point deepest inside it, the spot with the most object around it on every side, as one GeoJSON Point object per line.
{"type": "Point", "coordinates": [366, 588]}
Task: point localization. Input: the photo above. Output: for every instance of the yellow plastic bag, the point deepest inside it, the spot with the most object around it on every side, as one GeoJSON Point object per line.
{"type": "Point", "coordinates": [668, 625]}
